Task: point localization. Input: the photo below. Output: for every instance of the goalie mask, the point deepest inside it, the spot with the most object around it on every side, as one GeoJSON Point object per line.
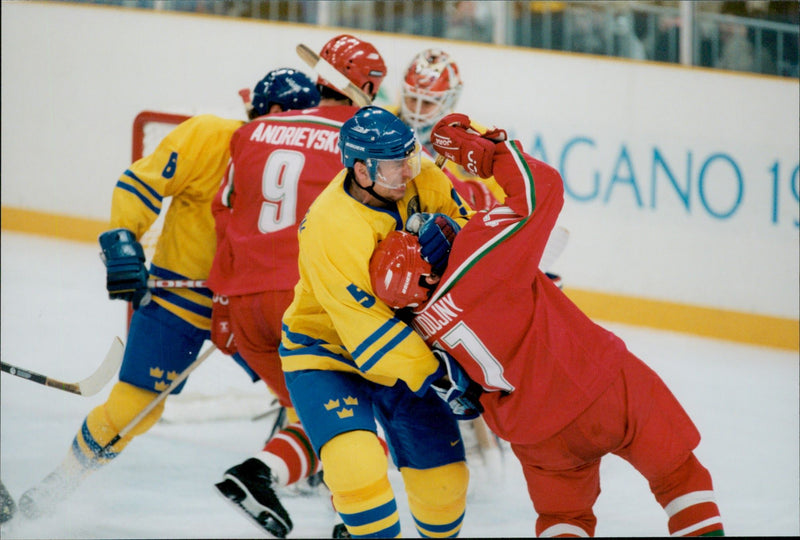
{"type": "Point", "coordinates": [357, 60]}
{"type": "Point", "coordinates": [431, 88]}
{"type": "Point", "coordinates": [398, 272]}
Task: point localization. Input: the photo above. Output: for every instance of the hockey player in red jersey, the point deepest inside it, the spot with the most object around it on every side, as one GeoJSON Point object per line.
{"type": "Point", "coordinates": [561, 389]}
{"type": "Point", "coordinates": [279, 164]}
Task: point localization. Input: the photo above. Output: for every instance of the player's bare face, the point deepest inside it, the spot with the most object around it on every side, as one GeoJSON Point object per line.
{"type": "Point", "coordinates": [393, 175]}
{"type": "Point", "coordinates": [421, 107]}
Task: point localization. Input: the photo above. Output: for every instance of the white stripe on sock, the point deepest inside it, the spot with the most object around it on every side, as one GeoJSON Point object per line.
{"type": "Point", "coordinates": [698, 526]}
{"type": "Point", "coordinates": [563, 528]}
{"type": "Point", "coordinates": [690, 499]}
{"type": "Point", "coordinates": [278, 467]}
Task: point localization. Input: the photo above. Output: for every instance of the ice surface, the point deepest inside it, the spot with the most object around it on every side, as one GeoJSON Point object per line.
{"type": "Point", "coordinates": [57, 320]}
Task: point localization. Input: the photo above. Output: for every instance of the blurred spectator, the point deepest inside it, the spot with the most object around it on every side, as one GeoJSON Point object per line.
{"type": "Point", "coordinates": [587, 34]}
{"type": "Point", "coordinates": [539, 24]}
{"type": "Point", "coordinates": [629, 29]}
{"type": "Point", "coordinates": [736, 47]}
{"type": "Point", "coordinates": [639, 29]}
{"type": "Point", "coordinates": [470, 21]}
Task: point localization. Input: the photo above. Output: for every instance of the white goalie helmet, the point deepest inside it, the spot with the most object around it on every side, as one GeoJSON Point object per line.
{"type": "Point", "coordinates": [431, 88]}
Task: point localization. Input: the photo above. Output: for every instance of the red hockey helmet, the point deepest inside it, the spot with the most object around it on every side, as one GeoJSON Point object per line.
{"type": "Point", "coordinates": [398, 272]}
{"type": "Point", "coordinates": [357, 60]}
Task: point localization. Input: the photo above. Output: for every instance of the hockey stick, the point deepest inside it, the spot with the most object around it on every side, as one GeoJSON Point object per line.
{"type": "Point", "coordinates": [554, 247]}
{"type": "Point", "coordinates": [88, 386]}
{"type": "Point", "coordinates": [325, 70]}
{"type": "Point", "coordinates": [176, 283]}
{"type": "Point", "coordinates": [156, 400]}
{"type": "Point", "coordinates": [273, 407]}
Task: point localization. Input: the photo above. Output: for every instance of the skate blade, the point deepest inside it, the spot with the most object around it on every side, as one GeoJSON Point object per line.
{"type": "Point", "coordinates": [265, 520]}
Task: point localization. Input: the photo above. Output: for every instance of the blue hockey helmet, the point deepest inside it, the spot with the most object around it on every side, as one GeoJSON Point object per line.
{"type": "Point", "coordinates": [379, 138]}
{"type": "Point", "coordinates": [289, 88]}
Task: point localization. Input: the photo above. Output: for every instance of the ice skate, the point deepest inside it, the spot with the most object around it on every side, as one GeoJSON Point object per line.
{"type": "Point", "coordinates": [43, 498]}
{"type": "Point", "coordinates": [249, 487]}
{"type": "Point", "coordinates": [7, 506]}
{"type": "Point", "coordinates": [340, 531]}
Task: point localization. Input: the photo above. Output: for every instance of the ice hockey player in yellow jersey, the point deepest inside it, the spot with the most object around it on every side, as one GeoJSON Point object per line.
{"type": "Point", "coordinates": [168, 326]}
{"type": "Point", "coordinates": [350, 364]}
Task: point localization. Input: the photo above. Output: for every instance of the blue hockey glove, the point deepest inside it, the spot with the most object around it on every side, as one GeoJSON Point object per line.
{"type": "Point", "coordinates": [126, 275]}
{"type": "Point", "coordinates": [457, 389]}
{"type": "Point", "coordinates": [436, 234]}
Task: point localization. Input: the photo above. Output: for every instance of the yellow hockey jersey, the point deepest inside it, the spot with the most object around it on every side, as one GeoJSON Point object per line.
{"type": "Point", "coordinates": [187, 166]}
{"type": "Point", "coordinates": [335, 321]}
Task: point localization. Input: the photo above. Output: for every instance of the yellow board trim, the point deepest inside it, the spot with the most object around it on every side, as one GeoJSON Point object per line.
{"type": "Point", "coordinates": [783, 333]}
{"type": "Point", "coordinates": [779, 332]}
{"type": "Point", "coordinates": [48, 224]}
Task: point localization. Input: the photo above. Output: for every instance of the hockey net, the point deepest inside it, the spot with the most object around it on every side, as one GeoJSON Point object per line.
{"type": "Point", "coordinates": [219, 389]}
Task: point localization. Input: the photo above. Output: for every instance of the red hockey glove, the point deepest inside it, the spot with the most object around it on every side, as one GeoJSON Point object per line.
{"type": "Point", "coordinates": [455, 138]}
{"type": "Point", "coordinates": [221, 330]}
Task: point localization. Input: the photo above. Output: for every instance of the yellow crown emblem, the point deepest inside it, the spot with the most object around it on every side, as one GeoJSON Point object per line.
{"type": "Point", "coordinates": [160, 386]}
{"type": "Point", "coordinates": [345, 413]}
{"type": "Point", "coordinates": [172, 375]}
{"type": "Point", "coordinates": [332, 405]}
{"type": "Point", "coordinates": [350, 400]}
{"type": "Point", "coordinates": [156, 372]}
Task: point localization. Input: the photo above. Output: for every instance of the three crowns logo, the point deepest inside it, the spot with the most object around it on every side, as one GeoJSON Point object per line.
{"type": "Point", "coordinates": [344, 412]}
{"type": "Point", "coordinates": [332, 405]}
{"type": "Point", "coordinates": [156, 372]}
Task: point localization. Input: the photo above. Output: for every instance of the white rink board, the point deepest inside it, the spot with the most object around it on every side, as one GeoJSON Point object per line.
{"type": "Point", "coordinates": [682, 184]}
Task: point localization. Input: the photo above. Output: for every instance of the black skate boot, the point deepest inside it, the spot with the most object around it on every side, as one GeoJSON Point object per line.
{"type": "Point", "coordinates": [7, 506]}
{"type": "Point", "coordinates": [340, 531]}
{"type": "Point", "coordinates": [249, 486]}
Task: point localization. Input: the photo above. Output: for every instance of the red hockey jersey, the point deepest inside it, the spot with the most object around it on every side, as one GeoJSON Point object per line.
{"type": "Point", "coordinates": [279, 164]}
{"type": "Point", "coordinates": [541, 360]}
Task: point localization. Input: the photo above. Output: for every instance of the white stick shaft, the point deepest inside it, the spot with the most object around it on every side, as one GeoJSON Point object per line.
{"type": "Point", "coordinates": [325, 70]}
{"type": "Point", "coordinates": [554, 248]}
{"type": "Point", "coordinates": [159, 398]}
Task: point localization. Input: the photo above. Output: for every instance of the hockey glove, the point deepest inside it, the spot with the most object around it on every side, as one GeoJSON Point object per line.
{"type": "Point", "coordinates": [457, 389]}
{"type": "Point", "coordinates": [221, 329]}
{"type": "Point", "coordinates": [126, 275]}
{"type": "Point", "coordinates": [436, 234]}
{"type": "Point", "coordinates": [455, 138]}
